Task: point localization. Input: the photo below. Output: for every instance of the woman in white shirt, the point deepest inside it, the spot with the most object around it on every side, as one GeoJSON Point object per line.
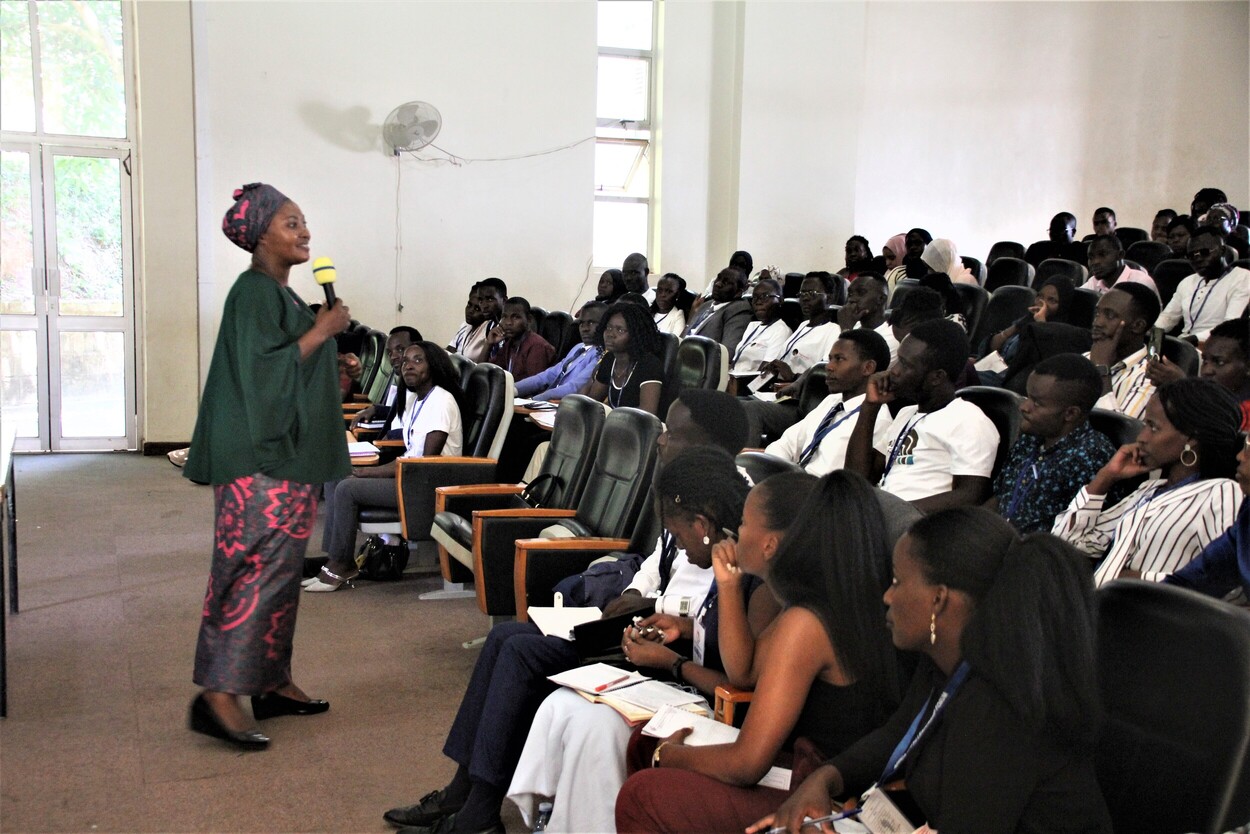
{"type": "Point", "coordinates": [765, 338]}
{"type": "Point", "coordinates": [431, 426]}
{"type": "Point", "coordinates": [1189, 441]}
{"type": "Point", "coordinates": [670, 317]}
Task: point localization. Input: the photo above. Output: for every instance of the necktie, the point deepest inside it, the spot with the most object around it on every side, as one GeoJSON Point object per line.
{"type": "Point", "coordinates": [704, 312]}
{"type": "Point", "coordinates": [826, 425]}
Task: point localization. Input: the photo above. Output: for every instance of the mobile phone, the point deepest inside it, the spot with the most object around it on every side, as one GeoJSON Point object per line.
{"type": "Point", "coordinates": [1154, 346]}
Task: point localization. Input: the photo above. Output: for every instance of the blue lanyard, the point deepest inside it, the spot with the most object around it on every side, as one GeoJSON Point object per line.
{"type": "Point", "coordinates": [794, 340]}
{"type": "Point", "coordinates": [760, 330]}
{"type": "Point", "coordinates": [824, 431]}
{"type": "Point", "coordinates": [1019, 492]}
{"type": "Point", "coordinates": [413, 422]}
{"type": "Point", "coordinates": [915, 733]}
{"type": "Point", "coordinates": [1193, 317]}
{"type": "Point", "coordinates": [897, 445]}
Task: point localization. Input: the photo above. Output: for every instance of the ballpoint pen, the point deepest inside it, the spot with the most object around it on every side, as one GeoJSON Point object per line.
{"type": "Point", "coordinates": [780, 829]}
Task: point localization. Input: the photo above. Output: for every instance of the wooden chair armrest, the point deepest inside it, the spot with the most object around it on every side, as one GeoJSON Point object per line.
{"type": "Point", "coordinates": [357, 406]}
{"type": "Point", "coordinates": [528, 512]}
{"type": "Point", "coordinates": [727, 699]}
{"type": "Point", "coordinates": [569, 556]}
{"type": "Point", "coordinates": [390, 444]}
{"type": "Point", "coordinates": [479, 489]}
{"type": "Point", "coordinates": [436, 459]}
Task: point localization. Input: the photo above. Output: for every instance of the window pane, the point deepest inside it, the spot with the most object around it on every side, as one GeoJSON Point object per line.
{"type": "Point", "coordinates": [624, 87]}
{"type": "Point", "coordinates": [19, 382]}
{"type": "Point", "coordinates": [93, 384]}
{"type": "Point", "coordinates": [625, 24]}
{"type": "Point", "coordinates": [89, 235]}
{"type": "Point", "coordinates": [17, 74]}
{"type": "Point", "coordinates": [620, 228]}
{"type": "Point", "coordinates": [17, 242]}
{"type": "Point", "coordinates": [622, 168]}
{"type": "Point", "coordinates": [84, 87]}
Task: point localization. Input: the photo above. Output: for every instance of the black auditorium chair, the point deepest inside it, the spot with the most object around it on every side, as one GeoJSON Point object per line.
{"type": "Point", "coordinates": [1182, 354]}
{"type": "Point", "coordinates": [508, 543]}
{"type": "Point", "coordinates": [1007, 305]}
{"type": "Point", "coordinates": [1003, 409]}
{"type": "Point", "coordinates": [537, 316]}
{"type": "Point", "coordinates": [558, 485]}
{"type": "Point", "coordinates": [464, 366]}
{"type": "Point", "coordinates": [1118, 427]}
{"type": "Point", "coordinates": [556, 329]}
{"type": "Point", "coordinates": [1008, 271]}
{"type": "Point", "coordinates": [975, 267]}
{"type": "Point", "coordinates": [1168, 275]}
{"type": "Point", "coordinates": [485, 414]}
{"type": "Point", "coordinates": [901, 289]}
{"type": "Point", "coordinates": [791, 284]}
{"type": "Point", "coordinates": [1004, 249]}
{"type": "Point", "coordinates": [1148, 253]}
{"type": "Point", "coordinates": [759, 465]}
{"type": "Point", "coordinates": [791, 312]}
{"type": "Point", "coordinates": [372, 359]}
{"type": "Point", "coordinates": [1081, 308]}
{"type": "Point", "coordinates": [702, 363]}
{"type": "Point", "coordinates": [1174, 672]}
{"type": "Point", "coordinates": [974, 300]}
{"type": "Point", "coordinates": [1059, 266]}
{"type": "Point", "coordinates": [1129, 235]}
{"type": "Point", "coordinates": [671, 344]}
{"type": "Point", "coordinates": [813, 391]}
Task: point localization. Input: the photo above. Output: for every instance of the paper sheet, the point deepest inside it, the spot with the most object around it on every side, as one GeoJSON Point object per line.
{"type": "Point", "coordinates": [653, 695]}
{"type": "Point", "coordinates": [361, 449]}
{"type": "Point", "coordinates": [670, 719]}
{"type": "Point", "coordinates": [544, 418]}
{"type": "Point", "coordinates": [559, 622]}
{"type": "Point", "coordinates": [597, 678]}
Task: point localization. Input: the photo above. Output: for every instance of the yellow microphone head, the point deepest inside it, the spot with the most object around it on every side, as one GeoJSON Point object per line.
{"type": "Point", "coordinates": [323, 271]}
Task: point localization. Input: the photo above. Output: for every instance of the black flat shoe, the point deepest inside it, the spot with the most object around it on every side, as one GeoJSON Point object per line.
{"type": "Point", "coordinates": [271, 705]}
{"type": "Point", "coordinates": [204, 720]}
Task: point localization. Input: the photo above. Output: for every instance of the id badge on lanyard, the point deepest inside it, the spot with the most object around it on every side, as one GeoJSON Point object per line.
{"type": "Point", "coordinates": [880, 815]}
{"type": "Point", "coordinates": [700, 640]}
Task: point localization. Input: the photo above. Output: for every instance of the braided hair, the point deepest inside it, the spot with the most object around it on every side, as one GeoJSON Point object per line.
{"type": "Point", "coordinates": [1207, 412]}
{"type": "Point", "coordinates": [644, 337]}
{"type": "Point", "coordinates": [703, 480]}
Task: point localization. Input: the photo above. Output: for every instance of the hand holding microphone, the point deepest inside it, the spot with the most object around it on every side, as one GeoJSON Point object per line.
{"type": "Point", "coordinates": [334, 317]}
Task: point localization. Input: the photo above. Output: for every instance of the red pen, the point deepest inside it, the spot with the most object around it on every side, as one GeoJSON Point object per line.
{"type": "Point", "coordinates": [611, 684]}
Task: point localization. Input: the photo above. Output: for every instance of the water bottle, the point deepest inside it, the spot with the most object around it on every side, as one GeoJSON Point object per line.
{"type": "Point", "coordinates": [544, 816]}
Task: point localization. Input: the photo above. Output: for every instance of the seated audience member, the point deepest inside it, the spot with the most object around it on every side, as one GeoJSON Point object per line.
{"type": "Point", "coordinates": [1159, 228]}
{"type": "Point", "coordinates": [636, 298]}
{"type": "Point", "coordinates": [516, 348]}
{"type": "Point", "coordinates": [634, 271]}
{"type": "Point", "coordinates": [631, 372]}
{"type": "Point", "coordinates": [765, 337]}
{"type": "Point", "coordinates": [509, 679]}
{"type": "Point", "coordinates": [1204, 199]}
{"type": "Point", "coordinates": [952, 304]}
{"type": "Point", "coordinates": [725, 317]}
{"type": "Point", "coordinates": [672, 302]}
{"type": "Point", "coordinates": [1122, 322]}
{"type": "Point", "coordinates": [568, 377]}
{"type": "Point", "coordinates": [825, 669]}
{"type": "Point", "coordinates": [1104, 221]}
{"type": "Point", "coordinates": [392, 403]}
{"type": "Point", "coordinates": [1225, 359]}
{"type": "Point", "coordinates": [1190, 439]}
{"type": "Point", "coordinates": [810, 342]}
{"type": "Point", "coordinates": [1224, 218]}
{"type": "Point", "coordinates": [575, 752]}
{"type": "Point", "coordinates": [611, 287]}
{"type": "Point", "coordinates": [431, 427]}
{"type": "Point", "coordinates": [741, 261]}
{"type": "Point", "coordinates": [1216, 292]}
{"type": "Point", "coordinates": [857, 258]}
{"type": "Point", "coordinates": [470, 340]}
{"type": "Point", "coordinates": [1019, 707]}
{"type": "Point", "coordinates": [940, 452]}
{"type": "Point", "coordinates": [927, 304]}
{"type": "Point", "coordinates": [1223, 566]}
{"type": "Point", "coordinates": [491, 293]}
{"type": "Point", "coordinates": [912, 266]}
{"type": "Point", "coordinates": [1061, 235]}
{"type": "Point", "coordinates": [1053, 304]}
{"type": "Point", "coordinates": [1180, 230]}
{"type": "Point", "coordinates": [818, 441]}
{"type": "Point", "coordinates": [941, 256]}
{"type": "Point", "coordinates": [894, 251]}
{"type": "Point", "coordinates": [1107, 268]}
{"type": "Point", "coordinates": [1058, 451]}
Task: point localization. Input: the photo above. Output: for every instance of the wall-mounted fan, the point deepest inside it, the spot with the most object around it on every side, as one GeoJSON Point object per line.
{"type": "Point", "coordinates": [411, 126]}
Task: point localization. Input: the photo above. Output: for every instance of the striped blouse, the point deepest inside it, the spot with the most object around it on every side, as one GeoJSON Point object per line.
{"type": "Point", "coordinates": [1153, 531]}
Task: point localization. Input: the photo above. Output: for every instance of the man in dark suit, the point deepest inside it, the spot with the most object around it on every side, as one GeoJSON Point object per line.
{"type": "Point", "coordinates": [725, 319]}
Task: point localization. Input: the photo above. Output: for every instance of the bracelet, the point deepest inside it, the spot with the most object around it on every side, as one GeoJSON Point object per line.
{"type": "Point", "coordinates": [676, 668]}
{"type": "Point", "coordinates": [655, 757]}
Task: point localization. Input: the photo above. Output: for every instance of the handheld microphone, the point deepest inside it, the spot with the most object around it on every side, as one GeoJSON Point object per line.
{"type": "Point", "coordinates": [325, 275]}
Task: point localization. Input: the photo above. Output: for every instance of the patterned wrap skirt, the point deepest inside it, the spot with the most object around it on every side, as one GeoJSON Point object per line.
{"type": "Point", "coordinates": [248, 624]}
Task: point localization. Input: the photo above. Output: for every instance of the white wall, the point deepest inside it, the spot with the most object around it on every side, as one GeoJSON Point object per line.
{"type": "Point", "coordinates": [295, 94]}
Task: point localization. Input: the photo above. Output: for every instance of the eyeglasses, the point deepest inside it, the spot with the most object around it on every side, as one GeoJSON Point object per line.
{"type": "Point", "coordinates": [765, 296]}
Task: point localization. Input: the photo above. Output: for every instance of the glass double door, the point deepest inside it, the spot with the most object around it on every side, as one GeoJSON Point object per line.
{"type": "Point", "coordinates": [67, 358]}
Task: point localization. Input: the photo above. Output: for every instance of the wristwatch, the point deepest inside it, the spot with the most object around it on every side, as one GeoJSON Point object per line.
{"type": "Point", "coordinates": [676, 668]}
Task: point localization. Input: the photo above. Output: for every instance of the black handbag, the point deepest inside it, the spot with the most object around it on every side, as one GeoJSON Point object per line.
{"type": "Point", "coordinates": [382, 562]}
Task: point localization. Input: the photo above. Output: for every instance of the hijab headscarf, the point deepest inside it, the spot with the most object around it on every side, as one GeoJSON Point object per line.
{"type": "Point", "coordinates": [1066, 289]}
{"type": "Point", "coordinates": [940, 256]}
{"type": "Point", "coordinates": [255, 204]}
{"type": "Point", "coordinates": [898, 245]}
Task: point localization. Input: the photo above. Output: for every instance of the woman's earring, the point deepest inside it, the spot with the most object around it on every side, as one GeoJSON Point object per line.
{"type": "Point", "coordinates": [933, 629]}
{"type": "Point", "coordinates": [706, 540]}
{"type": "Point", "coordinates": [1193, 456]}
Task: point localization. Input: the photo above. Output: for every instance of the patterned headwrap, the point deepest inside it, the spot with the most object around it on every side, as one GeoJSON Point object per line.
{"type": "Point", "coordinates": [255, 204]}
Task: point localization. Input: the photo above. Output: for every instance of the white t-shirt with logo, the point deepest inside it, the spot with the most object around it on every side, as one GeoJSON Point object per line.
{"type": "Point", "coordinates": [924, 452]}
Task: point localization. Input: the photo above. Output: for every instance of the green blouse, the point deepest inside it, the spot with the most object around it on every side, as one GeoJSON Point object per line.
{"type": "Point", "coordinates": [263, 410]}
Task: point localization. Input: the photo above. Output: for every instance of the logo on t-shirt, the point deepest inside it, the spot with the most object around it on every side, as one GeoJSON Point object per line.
{"type": "Point", "coordinates": [905, 451]}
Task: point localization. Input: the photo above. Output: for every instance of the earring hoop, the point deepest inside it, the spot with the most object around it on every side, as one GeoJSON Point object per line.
{"type": "Point", "coordinates": [933, 629]}
{"type": "Point", "coordinates": [1193, 456]}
